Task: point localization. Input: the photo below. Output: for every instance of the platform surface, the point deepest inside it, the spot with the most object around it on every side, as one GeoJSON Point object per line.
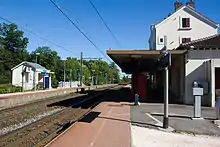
{"type": "Point", "coordinates": [108, 125]}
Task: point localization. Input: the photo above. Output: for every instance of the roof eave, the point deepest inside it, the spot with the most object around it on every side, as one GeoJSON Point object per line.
{"type": "Point", "coordinates": [189, 8]}
{"type": "Point", "coordinates": [156, 26]}
{"type": "Point", "coordinates": [18, 65]}
{"type": "Point", "coordinates": [202, 16]}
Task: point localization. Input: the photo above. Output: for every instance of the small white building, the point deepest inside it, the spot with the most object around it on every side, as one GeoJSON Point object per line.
{"type": "Point", "coordinates": [189, 30]}
{"type": "Point", "coordinates": [24, 75]}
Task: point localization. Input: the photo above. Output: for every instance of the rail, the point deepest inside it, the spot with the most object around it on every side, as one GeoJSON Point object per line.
{"type": "Point", "coordinates": [65, 125]}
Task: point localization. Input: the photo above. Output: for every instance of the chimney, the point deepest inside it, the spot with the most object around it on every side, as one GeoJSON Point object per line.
{"type": "Point", "coordinates": [191, 3]}
{"type": "Point", "coordinates": [178, 5]}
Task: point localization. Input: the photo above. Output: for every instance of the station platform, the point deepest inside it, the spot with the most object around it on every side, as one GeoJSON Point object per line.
{"type": "Point", "coordinates": [108, 125]}
{"type": "Point", "coordinates": [11, 100]}
{"type": "Point", "coordinates": [116, 122]}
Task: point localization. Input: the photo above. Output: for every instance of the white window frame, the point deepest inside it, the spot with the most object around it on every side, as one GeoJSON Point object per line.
{"type": "Point", "coordinates": [159, 42]}
{"type": "Point", "coordinates": [181, 38]}
{"type": "Point", "coordinates": [180, 23]}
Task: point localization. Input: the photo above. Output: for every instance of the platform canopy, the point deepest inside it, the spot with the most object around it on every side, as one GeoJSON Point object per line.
{"type": "Point", "coordinates": [139, 60]}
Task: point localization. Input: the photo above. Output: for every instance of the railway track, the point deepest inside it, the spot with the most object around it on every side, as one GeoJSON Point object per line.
{"type": "Point", "coordinates": [19, 115]}
{"type": "Point", "coordinates": [16, 117]}
{"type": "Point", "coordinates": [42, 131]}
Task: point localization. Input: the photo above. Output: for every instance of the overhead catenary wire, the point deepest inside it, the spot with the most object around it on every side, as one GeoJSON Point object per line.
{"type": "Point", "coordinates": [39, 36]}
{"type": "Point", "coordinates": [77, 27]}
{"type": "Point", "coordinates": [104, 22]}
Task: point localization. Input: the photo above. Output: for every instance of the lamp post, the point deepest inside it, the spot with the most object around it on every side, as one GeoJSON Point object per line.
{"type": "Point", "coordinates": [35, 71]}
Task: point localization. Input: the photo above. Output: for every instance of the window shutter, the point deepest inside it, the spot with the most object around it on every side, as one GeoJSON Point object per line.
{"type": "Point", "coordinates": [183, 40]}
{"type": "Point", "coordinates": [188, 40]}
{"type": "Point", "coordinates": [187, 22]}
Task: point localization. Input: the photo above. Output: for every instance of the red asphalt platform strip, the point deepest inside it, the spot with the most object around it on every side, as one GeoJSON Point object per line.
{"type": "Point", "coordinates": [111, 128]}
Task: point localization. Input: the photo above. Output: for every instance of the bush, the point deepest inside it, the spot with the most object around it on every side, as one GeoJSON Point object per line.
{"type": "Point", "coordinates": [9, 89]}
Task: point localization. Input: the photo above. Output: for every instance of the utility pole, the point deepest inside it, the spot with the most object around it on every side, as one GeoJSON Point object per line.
{"type": "Point", "coordinates": [64, 73]}
{"type": "Point", "coordinates": [35, 72]}
{"type": "Point", "coordinates": [81, 68]}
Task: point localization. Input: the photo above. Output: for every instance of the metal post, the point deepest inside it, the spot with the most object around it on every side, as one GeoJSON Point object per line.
{"type": "Point", "coordinates": [22, 78]}
{"type": "Point", "coordinates": [166, 93]}
{"type": "Point", "coordinates": [197, 106]}
{"type": "Point", "coordinates": [166, 98]}
{"type": "Point", "coordinates": [64, 73]}
{"type": "Point", "coordinates": [81, 68]}
{"type": "Point", "coordinates": [35, 71]}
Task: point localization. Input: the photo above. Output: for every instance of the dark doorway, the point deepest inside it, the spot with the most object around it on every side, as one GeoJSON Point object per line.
{"type": "Point", "coordinates": [149, 86]}
{"type": "Point", "coordinates": [217, 79]}
{"type": "Point", "coordinates": [155, 87]}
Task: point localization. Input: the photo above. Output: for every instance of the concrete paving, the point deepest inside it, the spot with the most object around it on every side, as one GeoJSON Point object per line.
{"type": "Point", "coordinates": [145, 137]}
{"type": "Point", "coordinates": [180, 118]}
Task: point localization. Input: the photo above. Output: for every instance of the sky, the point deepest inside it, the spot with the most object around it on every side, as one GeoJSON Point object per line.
{"type": "Point", "coordinates": [129, 20]}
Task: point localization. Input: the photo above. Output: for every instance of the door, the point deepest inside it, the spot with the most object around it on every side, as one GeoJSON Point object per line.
{"type": "Point", "coordinates": [47, 82]}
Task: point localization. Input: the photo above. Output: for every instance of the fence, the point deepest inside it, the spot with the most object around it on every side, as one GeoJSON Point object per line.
{"type": "Point", "coordinates": [69, 84]}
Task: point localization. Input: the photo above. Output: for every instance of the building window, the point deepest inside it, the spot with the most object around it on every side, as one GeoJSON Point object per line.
{"type": "Point", "coordinates": [161, 40]}
{"type": "Point", "coordinates": [185, 23]}
{"type": "Point", "coordinates": [26, 77]}
{"type": "Point", "coordinates": [185, 40]}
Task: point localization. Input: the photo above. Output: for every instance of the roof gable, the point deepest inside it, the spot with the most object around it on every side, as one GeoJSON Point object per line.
{"type": "Point", "coordinates": [194, 13]}
{"type": "Point", "coordinates": [31, 64]}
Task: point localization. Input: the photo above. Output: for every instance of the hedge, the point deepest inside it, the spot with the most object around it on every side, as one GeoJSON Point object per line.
{"type": "Point", "coordinates": [9, 89]}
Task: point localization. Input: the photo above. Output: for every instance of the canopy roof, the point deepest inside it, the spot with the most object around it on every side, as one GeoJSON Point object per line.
{"type": "Point", "coordinates": [139, 60]}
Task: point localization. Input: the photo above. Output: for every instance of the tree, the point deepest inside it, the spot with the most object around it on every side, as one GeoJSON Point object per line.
{"type": "Point", "coordinates": [125, 80]}
{"type": "Point", "coordinates": [13, 40]}
{"type": "Point", "coordinates": [103, 72]}
{"type": "Point", "coordinates": [86, 75]}
{"type": "Point", "coordinates": [50, 60]}
{"type": "Point", "coordinates": [74, 65]}
{"type": "Point", "coordinates": [5, 66]}
{"type": "Point", "coordinates": [12, 50]}
{"type": "Point", "coordinates": [114, 73]}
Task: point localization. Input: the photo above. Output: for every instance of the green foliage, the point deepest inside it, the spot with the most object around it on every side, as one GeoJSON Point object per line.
{"type": "Point", "coordinates": [9, 89]}
{"type": "Point", "coordinates": [13, 51]}
{"type": "Point", "coordinates": [72, 65]}
{"type": "Point", "coordinates": [125, 80]}
{"type": "Point", "coordinates": [86, 75]}
{"type": "Point", "coordinates": [50, 60]}
{"type": "Point", "coordinates": [114, 73]}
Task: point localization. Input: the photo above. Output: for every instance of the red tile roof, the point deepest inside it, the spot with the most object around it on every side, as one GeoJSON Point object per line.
{"type": "Point", "coordinates": [211, 42]}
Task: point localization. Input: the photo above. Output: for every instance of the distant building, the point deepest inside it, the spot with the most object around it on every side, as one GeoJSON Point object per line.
{"type": "Point", "coordinates": [24, 75]}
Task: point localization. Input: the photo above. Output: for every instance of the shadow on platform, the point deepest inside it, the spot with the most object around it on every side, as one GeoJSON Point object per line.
{"type": "Point", "coordinates": [90, 117]}
{"type": "Point", "coordinates": [132, 122]}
